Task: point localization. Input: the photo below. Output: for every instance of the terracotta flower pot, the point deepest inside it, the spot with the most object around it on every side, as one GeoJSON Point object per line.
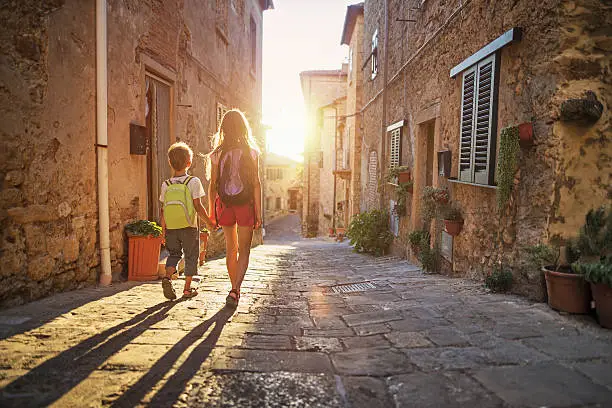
{"type": "Point", "coordinates": [525, 134]}
{"type": "Point", "coordinates": [332, 232]}
{"type": "Point", "coordinates": [453, 227]}
{"type": "Point", "coordinates": [203, 245]}
{"type": "Point", "coordinates": [143, 258]}
{"type": "Point", "coordinates": [602, 294]}
{"type": "Point", "coordinates": [567, 292]}
{"type": "Point", "coordinates": [403, 177]}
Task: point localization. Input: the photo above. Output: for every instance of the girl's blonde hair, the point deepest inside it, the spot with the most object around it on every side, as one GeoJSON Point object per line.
{"type": "Point", "coordinates": [234, 132]}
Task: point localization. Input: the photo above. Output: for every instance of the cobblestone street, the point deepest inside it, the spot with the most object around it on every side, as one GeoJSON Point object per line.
{"type": "Point", "coordinates": [407, 339]}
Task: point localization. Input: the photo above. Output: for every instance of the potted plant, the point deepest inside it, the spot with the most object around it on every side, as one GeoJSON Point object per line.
{"type": "Point", "coordinates": [143, 250]}
{"type": "Point", "coordinates": [566, 289]}
{"type": "Point", "coordinates": [369, 232]}
{"type": "Point", "coordinates": [399, 175]}
{"type": "Point", "coordinates": [340, 230]}
{"type": "Point", "coordinates": [453, 219]}
{"type": "Point", "coordinates": [331, 232]}
{"type": "Point", "coordinates": [433, 200]}
{"type": "Point", "coordinates": [204, 235]}
{"type": "Point", "coordinates": [595, 246]}
{"type": "Point", "coordinates": [417, 239]}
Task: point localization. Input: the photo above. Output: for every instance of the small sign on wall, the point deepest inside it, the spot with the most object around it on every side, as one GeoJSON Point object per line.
{"type": "Point", "coordinates": [138, 139]}
{"type": "Point", "coordinates": [446, 247]}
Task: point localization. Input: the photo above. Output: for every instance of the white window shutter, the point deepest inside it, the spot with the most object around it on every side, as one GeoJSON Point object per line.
{"type": "Point", "coordinates": [484, 133]}
{"type": "Point", "coordinates": [394, 157]}
{"type": "Point", "coordinates": [467, 125]}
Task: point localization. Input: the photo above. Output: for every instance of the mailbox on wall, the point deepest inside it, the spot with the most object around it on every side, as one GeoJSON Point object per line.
{"type": "Point", "coordinates": [138, 139]}
{"type": "Point", "coordinates": [444, 163]}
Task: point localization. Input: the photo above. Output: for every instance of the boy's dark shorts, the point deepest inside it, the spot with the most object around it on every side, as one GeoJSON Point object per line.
{"type": "Point", "coordinates": [187, 241]}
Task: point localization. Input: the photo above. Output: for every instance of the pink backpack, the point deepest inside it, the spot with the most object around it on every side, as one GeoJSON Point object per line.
{"type": "Point", "coordinates": [236, 172]}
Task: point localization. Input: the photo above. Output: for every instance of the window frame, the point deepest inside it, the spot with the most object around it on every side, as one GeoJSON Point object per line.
{"type": "Point", "coordinates": [374, 55]}
{"type": "Point", "coordinates": [471, 123]}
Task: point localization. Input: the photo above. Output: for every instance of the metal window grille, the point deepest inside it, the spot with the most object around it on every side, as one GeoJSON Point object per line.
{"type": "Point", "coordinates": [373, 180]}
{"type": "Point", "coordinates": [221, 109]}
{"type": "Point", "coordinates": [374, 54]}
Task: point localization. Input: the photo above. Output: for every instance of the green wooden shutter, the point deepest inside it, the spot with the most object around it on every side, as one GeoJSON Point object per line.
{"type": "Point", "coordinates": [483, 139]}
{"type": "Point", "coordinates": [467, 125]}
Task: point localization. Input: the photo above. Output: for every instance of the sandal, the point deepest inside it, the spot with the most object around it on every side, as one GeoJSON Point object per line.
{"type": "Point", "coordinates": [231, 300]}
{"type": "Point", "coordinates": [189, 293]}
{"type": "Point", "coordinates": [169, 292]}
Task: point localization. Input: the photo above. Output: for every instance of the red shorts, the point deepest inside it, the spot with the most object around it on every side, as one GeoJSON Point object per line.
{"type": "Point", "coordinates": [243, 215]}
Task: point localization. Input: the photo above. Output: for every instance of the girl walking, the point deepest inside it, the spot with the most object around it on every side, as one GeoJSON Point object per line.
{"type": "Point", "coordinates": [234, 193]}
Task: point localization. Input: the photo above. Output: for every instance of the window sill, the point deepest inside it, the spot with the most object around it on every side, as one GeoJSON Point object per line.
{"type": "Point", "coordinates": [456, 181]}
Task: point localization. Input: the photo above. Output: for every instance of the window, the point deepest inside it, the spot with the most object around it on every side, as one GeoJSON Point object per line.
{"type": "Point", "coordinates": [395, 145]}
{"type": "Point", "coordinates": [253, 40]}
{"type": "Point", "coordinates": [274, 174]}
{"type": "Point", "coordinates": [268, 201]}
{"type": "Point", "coordinates": [221, 109]}
{"type": "Point", "coordinates": [278, 203]}
{"type": "Point", "coordinates": [477, 134]}
{"type": "Point", "coordinates": [374, 56]}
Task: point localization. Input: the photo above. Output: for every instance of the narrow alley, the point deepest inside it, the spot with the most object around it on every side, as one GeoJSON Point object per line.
{"type": "Point", "coordinates": [302, 337]}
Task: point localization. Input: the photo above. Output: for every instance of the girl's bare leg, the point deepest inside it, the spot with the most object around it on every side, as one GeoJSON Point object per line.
{"type": "Point", "coordinates": [231, 251]}
{"type": "Point", "coordinates": [245, 237]}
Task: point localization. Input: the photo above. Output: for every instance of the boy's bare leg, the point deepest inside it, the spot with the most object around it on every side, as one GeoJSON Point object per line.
{"type": "Point", "coordinates": [170, 270]}
{"type": "Point", "coordinates": [245, 237]}
{"type": "Point", "coordinates": [231, 251]}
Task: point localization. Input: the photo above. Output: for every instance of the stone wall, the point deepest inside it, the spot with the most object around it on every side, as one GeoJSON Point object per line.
{"type": "Point", "coordinates": [48, 200]}
{"type": "Point", "coordinates": [565, 51]}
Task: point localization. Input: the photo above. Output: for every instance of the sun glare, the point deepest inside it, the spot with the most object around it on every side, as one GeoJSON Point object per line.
{"type": "Point", "coordinates": [290, 46]}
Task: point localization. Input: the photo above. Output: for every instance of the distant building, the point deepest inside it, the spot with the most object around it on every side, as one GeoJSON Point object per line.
{"type": "Point", "coordinates": [325, 98]}
{"type": "Point", "coordinates": [282, 186]}
{"type": "Point", "coordinates": [172, 69]}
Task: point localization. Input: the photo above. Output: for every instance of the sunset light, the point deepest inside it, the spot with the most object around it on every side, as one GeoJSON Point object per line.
{"type": "Point", "coordinates": [292, 44]}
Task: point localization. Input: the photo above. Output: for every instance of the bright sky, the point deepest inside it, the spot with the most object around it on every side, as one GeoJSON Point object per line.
{"type": "Point", "coordinates": [298, 35]}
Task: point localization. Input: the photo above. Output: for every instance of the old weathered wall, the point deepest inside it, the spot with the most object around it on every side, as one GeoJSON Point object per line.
{"type": "Point", "coordinates": [48, 201]}
{"type": "Point", "coordinates": [48, 210]}
{"type": "Point", "coordinates": [564, 51]}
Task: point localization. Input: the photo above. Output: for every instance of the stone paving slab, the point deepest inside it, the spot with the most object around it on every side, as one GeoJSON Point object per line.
{"type": "Point", "coordinates": [545, 384]}
{"type": "Point", "coordinates": [416, 340]}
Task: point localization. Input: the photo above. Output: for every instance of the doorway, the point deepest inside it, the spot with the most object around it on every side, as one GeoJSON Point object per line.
{"type": "Point", "coordinates": [293, 200]}
{"type": "Point", "coordinates": [429, 164]}
{"type": "Point", "coordinates": [157, 118]}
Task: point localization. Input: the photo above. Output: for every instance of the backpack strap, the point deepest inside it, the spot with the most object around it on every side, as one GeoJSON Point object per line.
{"type": "Point", "coordinates": [187, 180]}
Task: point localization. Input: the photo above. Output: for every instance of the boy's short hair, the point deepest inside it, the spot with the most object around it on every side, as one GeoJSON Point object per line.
{"type": "Point", "coordinates": [179, 155]}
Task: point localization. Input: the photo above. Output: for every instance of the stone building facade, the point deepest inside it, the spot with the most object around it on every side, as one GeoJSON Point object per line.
{"type": "Point", "coordinates": [282, 186]}
{"type": "Point", "coordinates": [173, 67]}
{"type": "Point", "coordinates": [325, 99]}
{"type": "Point", "coordinates": [418, 58]}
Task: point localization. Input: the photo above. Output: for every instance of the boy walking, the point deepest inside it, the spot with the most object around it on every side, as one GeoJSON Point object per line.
{"type": "Point", "coordinates": [180, 196]}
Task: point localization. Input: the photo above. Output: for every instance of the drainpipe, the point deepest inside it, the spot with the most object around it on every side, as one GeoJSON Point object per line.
{"type": "Point", "coordinates": [335, 166]}
{"type": "Point", "coordinates": [383, 139]}
{"type": "Point", "coordinates": [102, 141]}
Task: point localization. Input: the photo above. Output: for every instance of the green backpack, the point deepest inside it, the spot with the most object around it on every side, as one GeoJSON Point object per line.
{"type": "Point", "coordinates": [179, 211]}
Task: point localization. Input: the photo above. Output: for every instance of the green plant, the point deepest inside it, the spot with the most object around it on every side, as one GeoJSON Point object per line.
{"type": "Point", "coordinates": [432, 200]}
{"type": "Point", "coordinates": [451, 212]}
{"type": "Point", "coordinates": [416, 238]}
{"type": "Point", "coordinates": [143, 228]}
{"type": "Point", "coordinates": [596, 272]}
{"type": "Point", "coordinates": [393, 172]}
{"type": "Point", "coordinates": [429, 257]}
{"type": "Point", "coordinates": [507, 163]}
{"type": "Point", "coordinates": [204, 230]}
{"type": "Point", "coordinates": [369, 232]}
{"type": "Point", "coordinates": [595, 238]}
{"type": "Point", "coordinates": [499, 280]}
{"type": "Point", "coordinates": [401, 192]}
{"type": "Point", "coordinates": [594, 244]}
